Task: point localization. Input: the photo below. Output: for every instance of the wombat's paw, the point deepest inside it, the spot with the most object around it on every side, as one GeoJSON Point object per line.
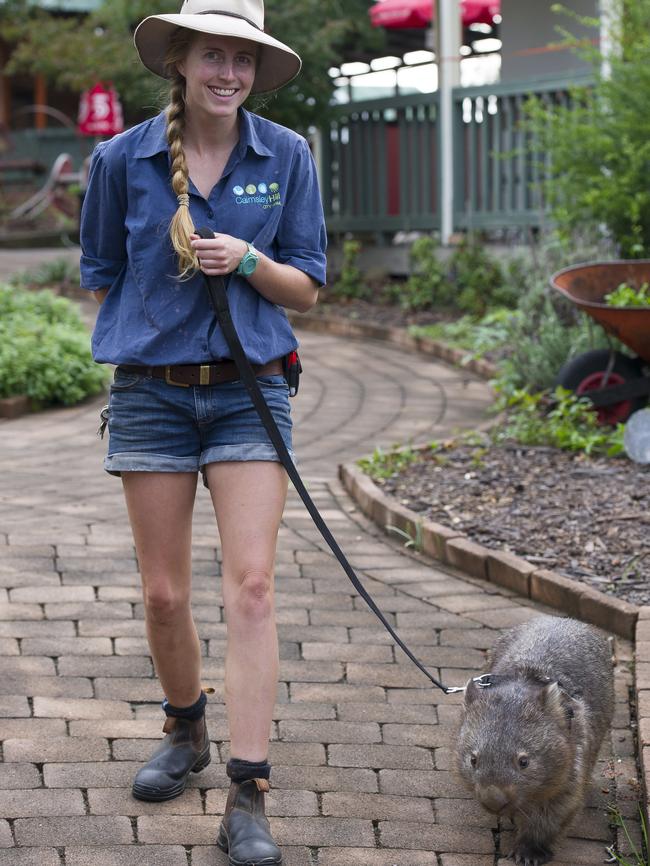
{"type": "Point", "coordinates": [530, 854]}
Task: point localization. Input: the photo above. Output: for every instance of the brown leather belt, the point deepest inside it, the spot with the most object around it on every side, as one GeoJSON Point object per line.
{"type": "Point", "coordinates": [217, 373]}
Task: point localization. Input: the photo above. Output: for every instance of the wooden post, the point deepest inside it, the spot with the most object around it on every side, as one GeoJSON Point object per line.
{"type": "Point", "coordinates": [5, 90]}
{"type": "Point", "coordinates": [40, 98]}
{"type": "Point", "coordinates": [449, 40]}
{"type": "Point", "coordinates": [610, 25]}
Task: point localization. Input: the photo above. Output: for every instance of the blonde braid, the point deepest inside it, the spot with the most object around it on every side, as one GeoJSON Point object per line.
{"type": "Point", "coordinates": [181, 226]}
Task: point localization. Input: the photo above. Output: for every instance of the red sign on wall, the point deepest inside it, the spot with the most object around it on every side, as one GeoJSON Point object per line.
{"type": "Point", "coordinates": [100, 112]}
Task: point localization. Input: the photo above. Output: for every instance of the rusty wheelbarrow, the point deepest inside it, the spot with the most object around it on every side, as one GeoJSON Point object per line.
{"type": "Point", "coordinates": [616, 383]}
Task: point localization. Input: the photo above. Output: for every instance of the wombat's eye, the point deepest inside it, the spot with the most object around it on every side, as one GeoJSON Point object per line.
{"type": "Point", "coordinates": [523, 761]}
{"type": "Point", "coordinates": [473, 760]}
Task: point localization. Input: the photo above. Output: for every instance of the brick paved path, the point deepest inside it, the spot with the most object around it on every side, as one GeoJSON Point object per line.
{"type": "Point", "coordinates": [361, 744]}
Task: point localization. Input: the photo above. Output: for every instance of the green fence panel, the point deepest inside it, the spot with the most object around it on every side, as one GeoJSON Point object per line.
{"type": "Point", "coordinates": [499, 185]}
{"type": "Point", "coordinates": [383, 164]}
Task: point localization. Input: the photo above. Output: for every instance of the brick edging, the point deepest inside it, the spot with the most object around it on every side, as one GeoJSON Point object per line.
{"type": "Point", "coordinates": [642, 693]}
{"type": "Point", "coordinates": [396, 336]}
{"type": "Point", "coordinates": [15, 407]}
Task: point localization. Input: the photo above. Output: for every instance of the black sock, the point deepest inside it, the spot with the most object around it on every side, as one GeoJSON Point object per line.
{"type": "Point", "coordinates": [242, 771]}
{"type": "Point", "coordinates": [192, 713]}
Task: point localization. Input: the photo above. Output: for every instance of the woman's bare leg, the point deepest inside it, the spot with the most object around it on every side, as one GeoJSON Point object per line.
{"type": "Point", "coordinates": [160, 506]}
{"type": "Point", "coordinates": [248, 499]}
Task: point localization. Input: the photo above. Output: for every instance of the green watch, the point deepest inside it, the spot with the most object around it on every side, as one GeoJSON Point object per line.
{"type": "Point", "coordinates": [248, 262]}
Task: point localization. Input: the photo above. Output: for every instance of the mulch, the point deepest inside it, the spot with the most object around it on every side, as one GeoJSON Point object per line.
{"type": "Point", "coordinates": [359, 310]}
{"type": "Point", "coordinates": [587, 518]}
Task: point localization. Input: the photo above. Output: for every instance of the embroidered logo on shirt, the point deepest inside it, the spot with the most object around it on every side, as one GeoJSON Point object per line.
{"type": "Point", "coordinates": [268, 195]}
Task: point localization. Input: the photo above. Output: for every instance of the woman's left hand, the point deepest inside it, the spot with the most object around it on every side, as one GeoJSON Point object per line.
{"type": "Point", "coordinates": [219, 255]}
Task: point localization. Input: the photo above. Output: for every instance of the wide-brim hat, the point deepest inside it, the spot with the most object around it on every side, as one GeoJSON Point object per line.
{"type": "Point", "coordinates": [277, 64]}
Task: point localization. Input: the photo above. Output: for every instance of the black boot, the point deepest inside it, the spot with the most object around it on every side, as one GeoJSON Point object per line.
{"type": "Point", "coordinates": [245, 833]}
{"type": "Point", "coordinates": [185, 750]}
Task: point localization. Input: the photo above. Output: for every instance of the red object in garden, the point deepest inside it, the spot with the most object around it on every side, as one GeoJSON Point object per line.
{"type": "Point", "coordinates": [615, 413]}
{"type": "Point", "coordinates": [416, 14]}
{"type": "Point", "coordinates": [615, 382]}
{"type": "Point", "coordinates": [100, 112]}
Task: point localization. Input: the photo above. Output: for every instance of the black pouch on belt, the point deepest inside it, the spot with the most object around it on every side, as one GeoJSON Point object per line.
{"type": "Point", "coordinates": [292, 369]}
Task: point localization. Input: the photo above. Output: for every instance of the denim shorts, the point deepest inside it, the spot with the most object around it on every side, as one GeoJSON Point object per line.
{"type": "Point", "coordinates": [156, 427]}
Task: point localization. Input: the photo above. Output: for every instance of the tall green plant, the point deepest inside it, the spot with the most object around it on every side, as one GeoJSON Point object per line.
{"type": "Point", "coordinates": [427, 286]}
{"type": "Point", "coordinates": [598, 145]}
{"type": "Point", "coordinates": [478, 278]}
{"type": "Point", "coordinates": [350, 283]}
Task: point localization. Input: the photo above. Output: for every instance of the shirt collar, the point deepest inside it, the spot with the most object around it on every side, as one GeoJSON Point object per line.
{"type": "Point", "coordinates": [249, 136]}
{"type": "Point", "coordinates": [154, 139]}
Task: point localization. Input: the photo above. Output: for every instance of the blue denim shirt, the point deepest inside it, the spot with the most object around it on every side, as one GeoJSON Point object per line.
{"type": "Point", "coordinates": [268, 195]}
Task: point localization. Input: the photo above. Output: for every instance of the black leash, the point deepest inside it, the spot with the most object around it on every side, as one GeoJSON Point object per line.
{"type": "Point", "coordinates": [219, 299]}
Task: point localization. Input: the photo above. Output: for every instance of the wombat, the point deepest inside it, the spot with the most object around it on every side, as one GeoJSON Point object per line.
{"type": "Point", "coordinates": [529, 741]}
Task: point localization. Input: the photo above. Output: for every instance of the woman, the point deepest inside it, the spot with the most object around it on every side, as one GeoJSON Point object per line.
{"type": "Point", "coordinates": [177, 405]}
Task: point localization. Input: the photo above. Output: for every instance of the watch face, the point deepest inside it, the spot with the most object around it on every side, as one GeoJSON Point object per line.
{"type": "Point", "coordinates": [248, 264]}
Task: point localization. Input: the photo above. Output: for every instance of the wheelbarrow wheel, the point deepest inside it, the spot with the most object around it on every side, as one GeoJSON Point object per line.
{"type": "Point", "coordinates": [588, 372]}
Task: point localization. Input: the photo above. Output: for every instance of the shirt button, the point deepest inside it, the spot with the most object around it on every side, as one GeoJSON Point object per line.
{"type": "Point", "coordinates": [210, 213]}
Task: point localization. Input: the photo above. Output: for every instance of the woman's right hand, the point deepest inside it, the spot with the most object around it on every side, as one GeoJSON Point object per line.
{"type": "Point", "coordinates": [219, 255]}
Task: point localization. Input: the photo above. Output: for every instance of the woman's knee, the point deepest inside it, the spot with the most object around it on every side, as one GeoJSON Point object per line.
{"type": "Point", "coordinates": [253, 596]}
{"type": "Point", "coordinates": [165, 604]}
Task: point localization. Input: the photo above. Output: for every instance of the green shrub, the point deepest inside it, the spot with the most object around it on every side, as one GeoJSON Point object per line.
{"type": "Point", "coordinates": [18, 303]}
{"type": "Point", "coordinates": [350, 283]}
{"type": "Point", "coordinates": [560, 420]}
{"type": "Point", "coordinates": [478, 279]}
{"type": "Point", "coordinates": [53, 273]}
{"type": "Point", "coordinates": [45, 349]}
{"type": "Point", "coordinates": [478, 336]}
{"type": "Point", "coordinates": [383, 464]}
{"type": "Point", "coordinates": [470, 281]}
{"type": "Point", "coordinates": [427, 287]}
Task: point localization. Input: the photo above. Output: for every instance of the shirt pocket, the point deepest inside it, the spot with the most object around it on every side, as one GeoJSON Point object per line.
{"type": "Point", "coordinates": [252, 204]}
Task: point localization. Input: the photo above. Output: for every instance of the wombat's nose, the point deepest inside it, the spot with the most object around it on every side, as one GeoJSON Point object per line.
{"type": "Point", "coordinates": [493, 798]}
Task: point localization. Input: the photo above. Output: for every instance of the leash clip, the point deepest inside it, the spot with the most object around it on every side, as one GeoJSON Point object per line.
{"type": "Point", "coordinates": [483, 682]}
{"type": "Point", "coordinates": [103, 415]}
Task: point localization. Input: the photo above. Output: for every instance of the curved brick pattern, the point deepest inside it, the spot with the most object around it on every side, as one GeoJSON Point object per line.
{"type": "Point", "coordinates": [363, 768]}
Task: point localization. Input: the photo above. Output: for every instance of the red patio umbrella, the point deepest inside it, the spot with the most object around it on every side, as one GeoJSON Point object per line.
{"type": "Point", "coordinates": [402, 14]}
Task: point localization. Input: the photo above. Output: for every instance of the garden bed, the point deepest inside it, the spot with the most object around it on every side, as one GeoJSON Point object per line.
{"type": "Point", "coordinates": [583, 517]}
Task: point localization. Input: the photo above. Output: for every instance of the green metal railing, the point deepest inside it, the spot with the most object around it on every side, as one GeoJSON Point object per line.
{"type": "Point", "coordinates": [499, 164]}
{"type": "Point", "coordinates": [381, 166]}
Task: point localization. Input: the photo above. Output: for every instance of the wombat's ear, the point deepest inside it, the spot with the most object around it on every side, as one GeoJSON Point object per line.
{"type": "Point", "coordinates": [557, 702]}
{"type": "Point", "coordinates": [471, 692]}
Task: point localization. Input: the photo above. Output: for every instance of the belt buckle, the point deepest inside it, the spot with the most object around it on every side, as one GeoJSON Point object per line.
{"type": "Point", "coordinates": [204, 374]}
{"type": "Point", "coordinates": [170, 381]}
